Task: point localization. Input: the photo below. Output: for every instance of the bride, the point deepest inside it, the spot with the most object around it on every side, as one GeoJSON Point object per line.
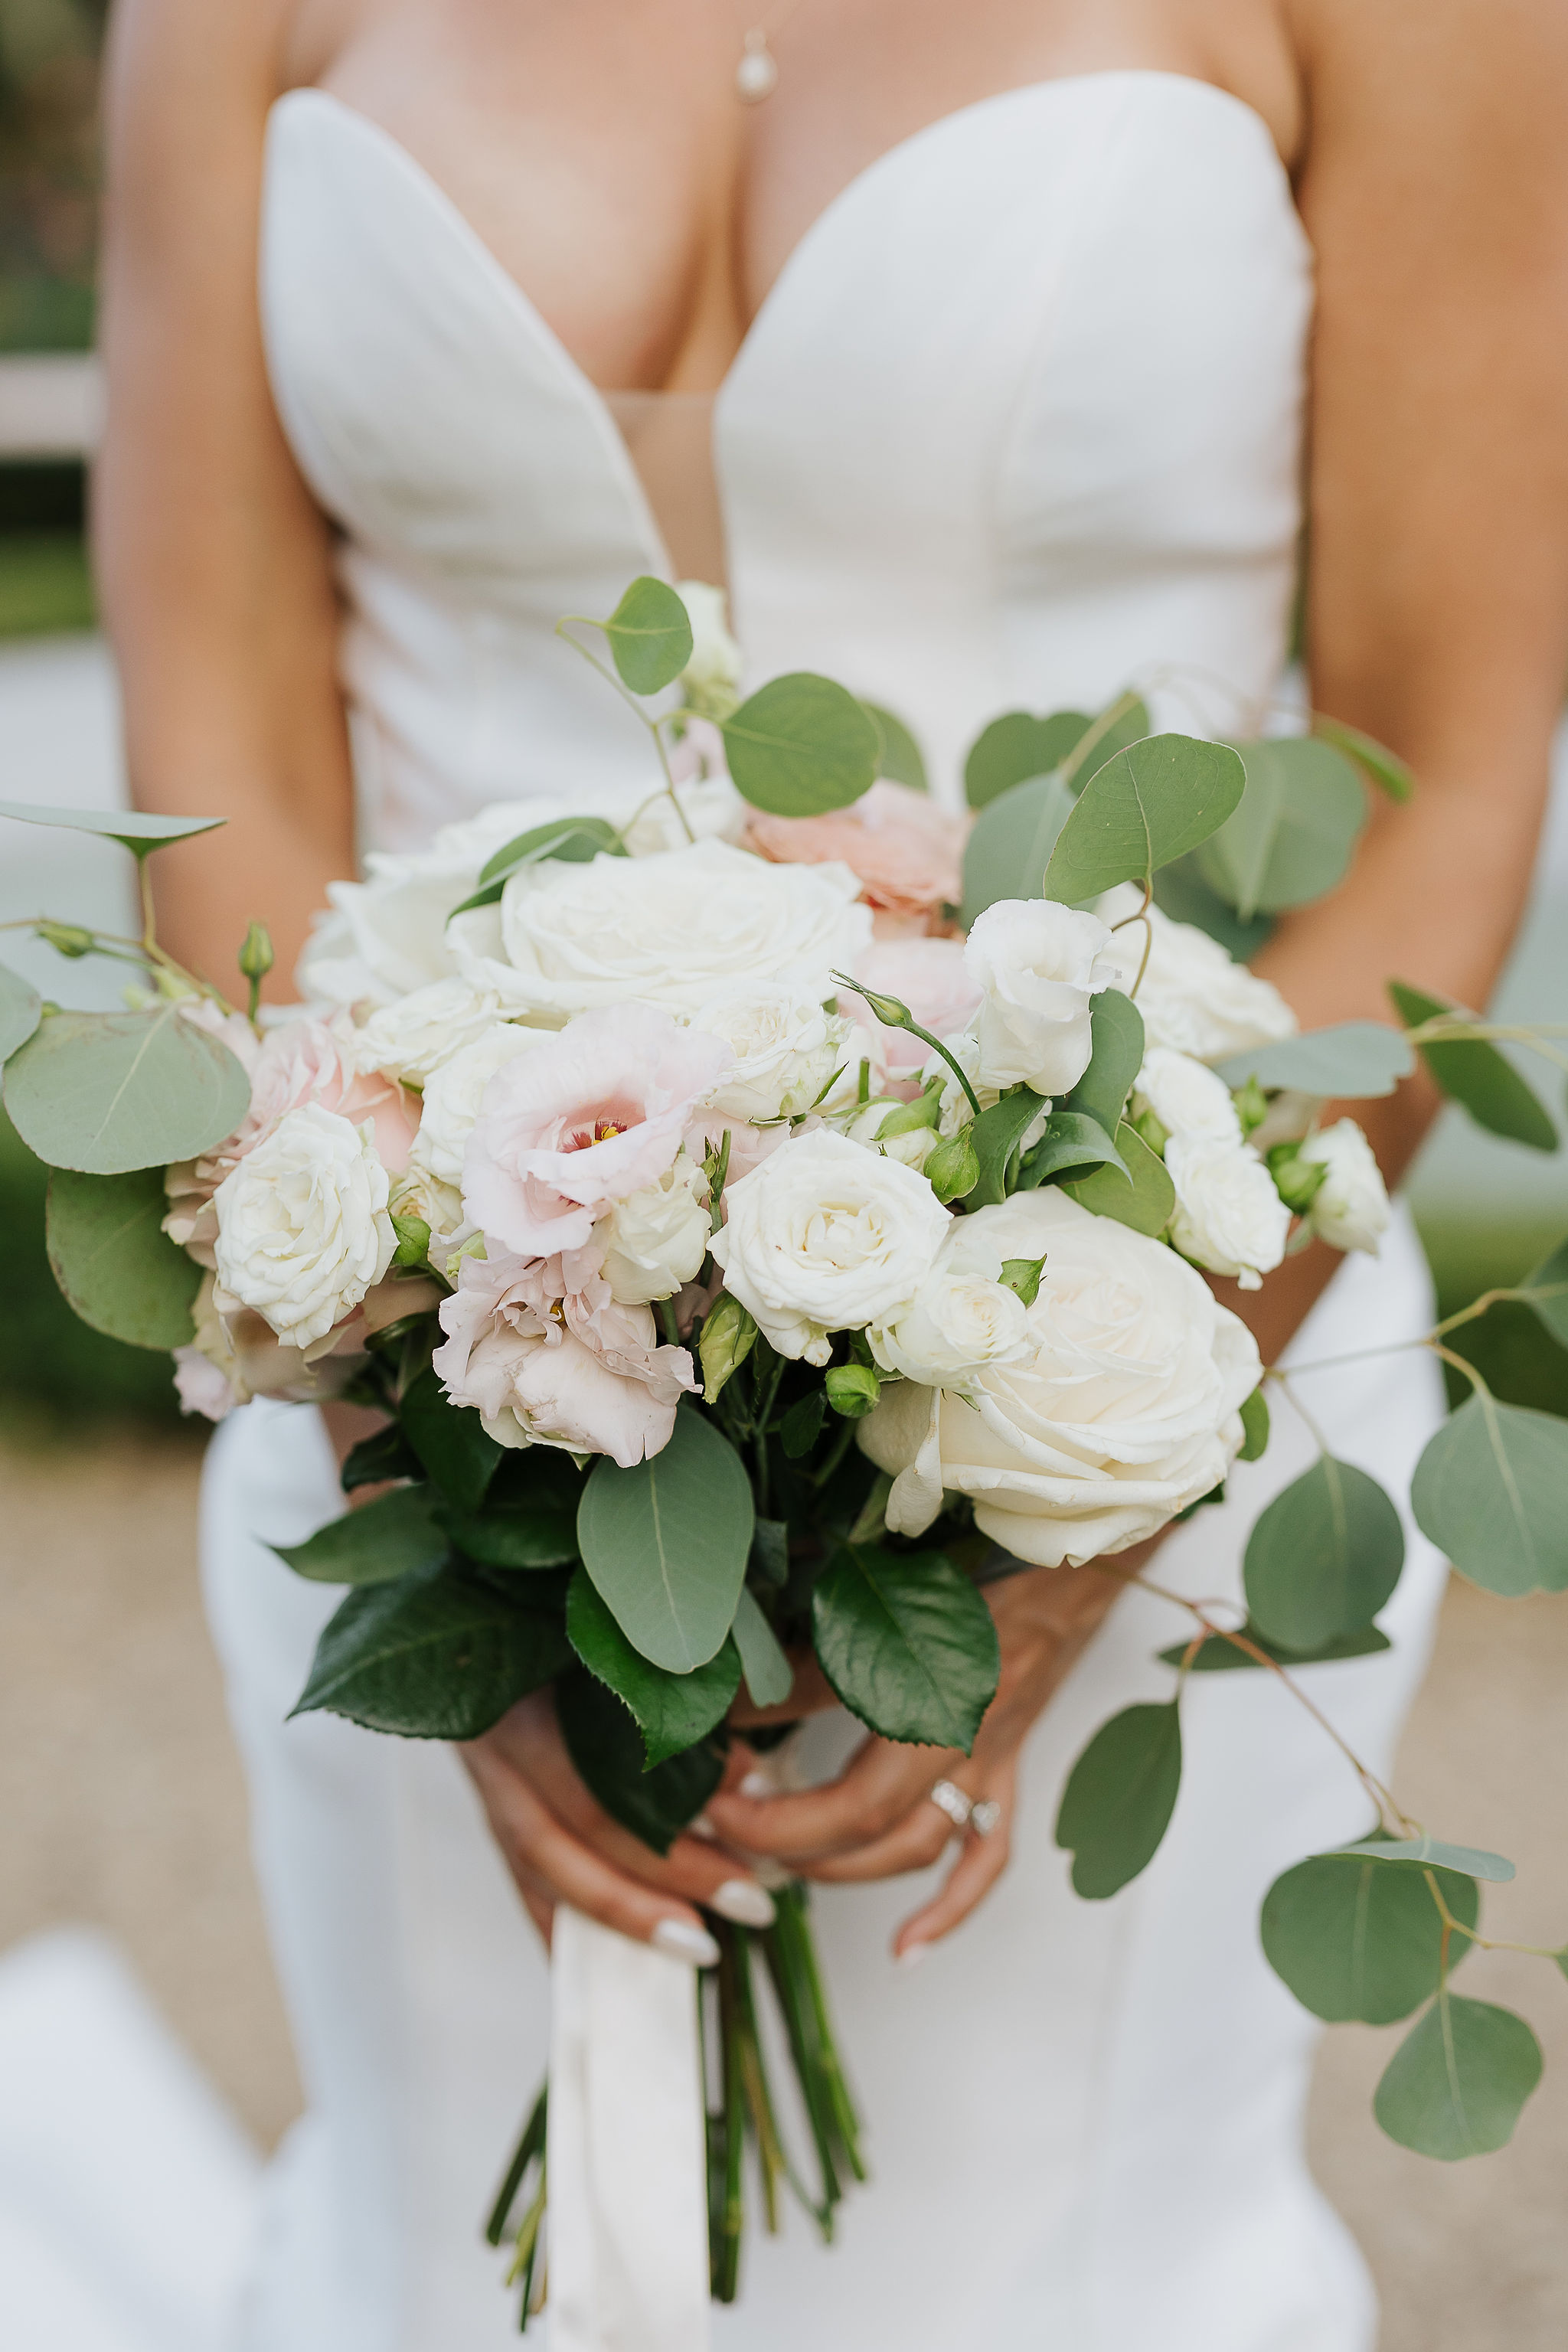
{"type": "Point", "coordinates": [1009, 330]}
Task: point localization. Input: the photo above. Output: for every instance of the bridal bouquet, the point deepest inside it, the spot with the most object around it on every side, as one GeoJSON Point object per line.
{"type": "Point", "coordinates": [764, 1210]}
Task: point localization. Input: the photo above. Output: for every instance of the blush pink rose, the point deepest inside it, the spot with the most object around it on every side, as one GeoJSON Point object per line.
{"type": "Point", "coordinates": [928, 975]}
{"type": "Point", "coordinates": [549, 1365]}
{"type": "Point", "coordinates": [574, 1125]}
{"type": "Point", "coordinates": [908, 852]}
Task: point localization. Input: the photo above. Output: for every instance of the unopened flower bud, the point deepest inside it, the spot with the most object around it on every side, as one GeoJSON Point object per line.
{"type": "Point", "coordinates": [256, 958]}
{"type": "Point", "coordinates": [66, 939]}
{"type": "Point", "coordinates": [1298, 1182]}
{"type": "Point", "coordinates": [853, 1390]}
{"type": "Point", "coordinates": [951, 1167]}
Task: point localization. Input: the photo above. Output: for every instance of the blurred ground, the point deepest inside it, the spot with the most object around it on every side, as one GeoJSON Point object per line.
{"type": "Point", "coordinates": [120, 1804]}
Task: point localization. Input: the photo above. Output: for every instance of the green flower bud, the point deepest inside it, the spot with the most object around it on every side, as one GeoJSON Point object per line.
{"type": "Point", "coordinates": [1251, 1105]}
{"type": "Point", "coordinates": [951, 1167]}
{"type": "Point", "coordinates": [66, 939]}
{"type": "Point", "coordinates": [256, 958]}
{"type": "Point", "coordinates": [1298, 1182]}
{"type": "Point", "coordinates": [728, 1335]}
{"type": "Point", "coordinates": [852, 1390]}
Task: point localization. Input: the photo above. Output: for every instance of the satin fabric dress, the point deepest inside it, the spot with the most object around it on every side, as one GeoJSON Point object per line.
{"type": "Point", "coordinates": [1019, 424]}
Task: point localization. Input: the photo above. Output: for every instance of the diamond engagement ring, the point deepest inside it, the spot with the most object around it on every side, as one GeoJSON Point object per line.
{"type": "Point", "coordinates": [981, 1815]}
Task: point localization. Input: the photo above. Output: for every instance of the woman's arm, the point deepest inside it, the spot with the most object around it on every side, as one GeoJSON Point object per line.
{"type": "Point", "coordinates": [1436, 191]}
{"type": "Point", "coordinates": [213, 562]}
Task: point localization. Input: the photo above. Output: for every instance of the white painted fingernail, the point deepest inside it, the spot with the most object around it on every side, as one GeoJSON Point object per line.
{"type": "Point", "coordinates": [759, 1784]}
{"type": "Point", "coordinates": [912, 1955]}
{"type": "Point", "coordinates": [742, 1900]}
{"type": "Point", "coordinates": [682, 1941]}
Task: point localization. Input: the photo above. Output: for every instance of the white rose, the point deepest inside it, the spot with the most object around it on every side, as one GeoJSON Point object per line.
{"type": "Point", "coordinates": [825, 1237]}
{"type": "Point", "coordinates": [1351, 1208]}
{"type": "Point", "coordinates": [787, 1047]}
{"type": "Point", "coordinates": [1123, 1410]}
{"type": "Point", "coordinates": [1186, 1097]}
{"type": "Point", "coordinates": [669, 930]}
{"type": "Point", "coordinates": [1229, 1216]}
{"type": "Point", "coordinates": [1194, 997]}
{"type": "Point", "coordinates": [413, 1038]}
{"type": "Point", "coordinates": [913, 1145]}
{"type": "Point", "coordinates": [453, 1092]}
{"type": "Point", "coordinates": [656, 1239]}
{"type": "Point", "coordinates": [963, 1318]}
{"type": "Point", "coordinates": [302, 1224]}
{"type": "Point", "coordinates": [1037, 964]}
{"type": "Point", "coordinates": [713, 672]}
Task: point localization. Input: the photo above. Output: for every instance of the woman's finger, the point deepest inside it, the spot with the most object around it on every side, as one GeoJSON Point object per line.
{"type": "Point", "coordinates": [913, 1844]}
{"type": "Point", "coordinates": [882, 1782]}
{"type": "Point", "coordinates": [979, 1865]}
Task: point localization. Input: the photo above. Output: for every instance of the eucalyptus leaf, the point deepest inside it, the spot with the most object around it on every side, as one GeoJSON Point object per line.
{"type": "Point", "coordinates": [115, 1266]}
{"type": "Point", "coordinates": [666, 1543]}
{"type": "Point", "coordinates": [1294, 836]}
{"type": "Point", "coordinates": [1151, 803]}
{"type": "Point", "coordinates": [1324, 1556]}
{"type": "Point", "coordinates": [1472, 1072]}
{"type": "Point", "coordinates": [1219, 1656]}
{"type": "Point", "coordinates": [1072, 1143]}
{"type": "Point", "coordinates": [431, 1657]}
{"type": "Point", "coordinates": [1147, 1205]}
{"type": "Point", "coordinates": [1255, 1422]}
{"type": "Point", "coordinates": [1390, 774]}
{"type": "Point", "coordinates": [395, 1536]}
{"type": "Point", "coordinates": [770, 1678]}
{"type": "Point", "coordinates": [107, 1092]}
{"type": "Point", "coordinates": [655, 1802]}
{"type": "Point", "coordinates": [1116, 1027]}
{"type": "Point", "coordinates": [1010, 843]}
{"type": "Point", "coordinates": [673, 1711]}
{"type": "Point", "coordinates": [450, 1441]}
{"type": "Point", "coordinates": [1355, 1941]}
{"type": "Point", "coordinates": [800, 746]}
{"type": "Point", "coordinates": [1354, 1060]}
{"type": "Point", "coordinates": [1181, 892]}
{"type": "Point", "coordinates": [1550, 1280]}
{"type": "Point", "coordinates": [907, 1644]}
{"type": "Point", "coordinates": [21, 1010]}
{"type": "Point", "coordinates": [569, 840]}
{"type": "Point", "coordinates": [1119, 1797]}
{"type": "Point", "coordinates": [1103, 737]}
{"type": "Point", "coordinates": [650, 636]}
{"type": "Point", "coordinates": [1016, 747]}
{"type": "Point", "coordinates": [996, 1137]}
{"type": "Point", "coordinates": [902, 761]}
{"type": "Point", "coordinates": [140, 833]}
{"type": "Point", "coordinates": [1489, 1493]}
{"type": "Point", "coordinates": [1456, 2085]}
{"type": "Point", "coordinates": [1427, 1853]}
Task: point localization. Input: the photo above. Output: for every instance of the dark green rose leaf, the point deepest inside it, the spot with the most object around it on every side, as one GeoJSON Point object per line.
{"type": "Point", "coordinates": [666, 1543]}
{"type": "Point", "coordinates": [514, 1535]}
{"type": "Point", "coordinates": [385, 1453]}
{"type": "Point", "coordinates": [1428, 1853]}
{"type": "Point", "coordinates": [1016, 748]}
{"type": "Point", "coordinates": [1390, 776]}
{"type": "Point", "coordinates": [769, 1675]}
{"type": "Point", "coordinates": [1293, 835]}
{"type": "Point", "coordinates": [1219, 1656]}
{"type": "Point", "coordinates": [1354, 1060]}
{"type": "Point", "coordinates": [801, 1424]}
{"type": "Point", "coordinates": [432, 1657]}
{"type": "Point", "coordinates": [1119, 1797]}
{"type": "Point", "coordinates": [1010, 843]}
{"type": "Point", "coordinates": [140, 833]}
{"type": "Point", "coordinates": [1151, 803]}
{"type": "Point", "coordinates": [107, 1092]}
{"type": "Point", "coordinates": [1115, 1026]}
{"type": "Point", "coordinates": [650, 636]}
{"type": "Point", "coordinates": [1324, 1557]}
{"type": "Point", "coordinates": [1354, 1940]}
{"type": "Point", "coordinates": [115, 1266]}
{"type": "Point", "coordinates": [902, 761]}
{"type": "Point", "coordinates": [21, 1010]}
{"type": "Point", "coordinates": [1255, 1422]}
{"type": "Point", "coordinates": [653, 1802]}
{"type": "Point", "coordinates": [994, 1137]}
{"type": "Point", "coordinates": [908, 1644]}
{"type": "Point", "coordinates": [769, 1552]}
{"type": "Point", "coordinates": [1472, 1072]}
{"type": "Point", "coordinates": [1490, 1492]}
{"type": "Point", "coordinates": [395, 1536]}
{"type": "Point", "coordinates": [568, 840]}
{"type": "Point", "coordinates": [1456, 2085]}
{"type": "Point", "coordinates": [450, 1441]}
{"type": "Point", "coordinates": [1071, 1146]}
{"type": "Point", "coordinates": [673, 1711]}
{"type": "Point", "coordinates": [800, 746]}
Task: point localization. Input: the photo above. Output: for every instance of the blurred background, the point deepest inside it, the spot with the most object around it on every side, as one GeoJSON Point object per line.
{"type": "Point", "coordinates": [121, 1811]}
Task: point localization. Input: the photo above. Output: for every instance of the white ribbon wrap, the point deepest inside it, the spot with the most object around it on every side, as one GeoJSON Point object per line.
{"type": "Point", "coordinates": [627, 2160]}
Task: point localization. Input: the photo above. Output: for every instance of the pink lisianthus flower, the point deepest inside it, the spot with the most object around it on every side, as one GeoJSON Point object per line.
{"type": "Point", "coordinates": [908, 852]}
{"type": "Point", "coordinates": [928, 975]}
{"type": "Point", "coordinates": [548, 1358]}
{"type": "Point", "coordinates": [303, 1062]}
{"type": "Point", "coordinates": [573, 1126]}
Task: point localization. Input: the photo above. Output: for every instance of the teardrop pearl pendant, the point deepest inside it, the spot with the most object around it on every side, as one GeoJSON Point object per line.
{"type": "Point", "coordinates": [757, 75]}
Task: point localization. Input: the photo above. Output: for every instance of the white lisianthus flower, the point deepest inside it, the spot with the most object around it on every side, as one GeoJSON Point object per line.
{"type": "Point", "coordinates": [825, 1237]}
{"type": "Point", "coordinates": [415, 1037]}
{"type": "Point", "coordinates": [963, 1319]}
{"type": "Point", "coordinates": [787, 1047]}
{"type": "Point", "coordinates": [656, 1239]}
{"type": "Point", "coordinates": [913, 1145]}
{"type": "Point", "coordinates": [1124, 1408]}
{"type": "Point", "coordinates": [1349, 1209]}
{"type": "Point", "coordinates": [669, 930]}
{"type": "Point", "coordinates": [712, 675]}
{"type": "Point", "coordinates": [1036, 965]}
{"type": "Point", "coordinates": [1229, 1216]}
{"type": "Point", "coordinates": [453, 1092]}
{"type": "Point", "coordinates": [302, 1224]}
{"type": "Point", "coordinates": [1194, 997]}
{"type": "Point", "coordinates": [1186, 1097]}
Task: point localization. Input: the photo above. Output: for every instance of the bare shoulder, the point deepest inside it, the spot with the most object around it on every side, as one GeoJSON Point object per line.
{"type": "Point", "coordinates": [184, 75]}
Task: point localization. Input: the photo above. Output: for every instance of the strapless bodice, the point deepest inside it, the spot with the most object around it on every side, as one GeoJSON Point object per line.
{"type": "Point", "coordinates": [1019, 420]}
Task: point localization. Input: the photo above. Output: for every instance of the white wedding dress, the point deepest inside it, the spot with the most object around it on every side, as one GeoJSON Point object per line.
{"type": "Point", "coordinates": [1019, 422]}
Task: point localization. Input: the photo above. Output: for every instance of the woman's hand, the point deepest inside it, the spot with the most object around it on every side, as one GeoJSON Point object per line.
{"type": "Point", "coordinates": [560, 1845]}
{"type": "Point", "coordinates": [877, 1818]}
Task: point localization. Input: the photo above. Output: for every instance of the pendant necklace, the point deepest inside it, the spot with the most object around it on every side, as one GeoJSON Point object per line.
{"type": "Point", "coordinates": [757, 74]}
